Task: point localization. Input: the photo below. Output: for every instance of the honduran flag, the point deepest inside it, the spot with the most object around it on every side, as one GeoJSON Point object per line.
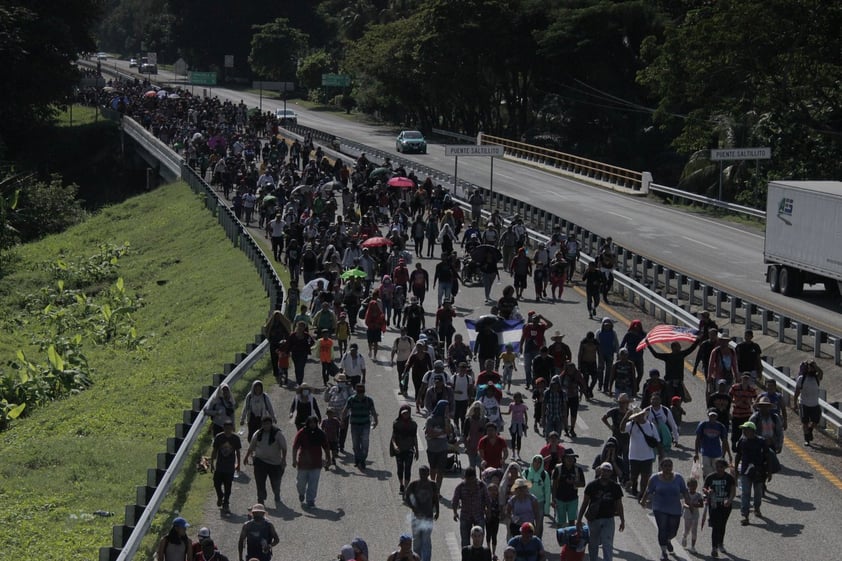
{"type": "Point", "coordinates": [508, 331]}
{"type": "Point", "coordinates": [667, 334]}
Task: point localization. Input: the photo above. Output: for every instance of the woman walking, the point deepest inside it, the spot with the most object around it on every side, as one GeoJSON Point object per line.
{"type": "Point", "coordinates": [276, 330]}
{"type": "Point", "coordinates": [375, 323]}
{"type": "Point", "coordinates": [667, 490]}
{"type": "Point", "coordinates": [404, 444]}
{"type": "Point", "coordinates": [300, 343]}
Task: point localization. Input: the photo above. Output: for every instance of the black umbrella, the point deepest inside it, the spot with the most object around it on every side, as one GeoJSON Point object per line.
{"type": "Point", "coordinates": [482, 252]}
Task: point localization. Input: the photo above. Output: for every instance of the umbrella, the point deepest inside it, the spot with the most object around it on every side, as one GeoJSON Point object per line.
{"type": "Point", "coordinates": [269, 199]}
{"type": "Point", "coordinates": [309, 289]}
{"type": "Point", "coordinates": [353, 274]}
{"type": "Point", "coordinates": [332, 186]}
{"type": "Point", "coordinates": [302, 189]}
{"type": "Point", "coordinates": [197, 136]}
{"type": "Point", "coordinates": [380, 173]}
{"type": "Point", "coordinates": [174, 96]}
{"type": "Point", "coordinates": [401, 183]}
{"type": "Point", "coordinates": [108, 89]}
{"type": "Point", "coordinates": [162, 93]}
{"type": "Point", "coordinates": [481, 253]}
{"type": "Point", "coordinates": [150, 93]}
{"type": "Point", "coordinates": [377, 241]}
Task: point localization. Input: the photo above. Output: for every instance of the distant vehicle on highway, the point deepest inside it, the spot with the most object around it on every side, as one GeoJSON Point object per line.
{"type": "Point", "coordinates": [803, 228]}
{"type": "Point", "coordinates": [411, 141]}
{"type": "Point", "coordinates": [132, 63]}
{"type": "Point", "coordinates": [102, 56]}
{"type": "Point", "coordinates": [286, 116]}
{"type": "Point", "coordinates": [148, 68]}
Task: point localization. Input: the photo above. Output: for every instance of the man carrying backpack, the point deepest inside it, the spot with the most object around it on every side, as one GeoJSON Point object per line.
{"type": "Point", "coordinates": [258, 536]}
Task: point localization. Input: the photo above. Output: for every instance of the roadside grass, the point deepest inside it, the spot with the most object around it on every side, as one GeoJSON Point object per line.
{"type": "Point", "coordinates": [203, 303]}
{"type": "Point", "coordinates": [81, 115]}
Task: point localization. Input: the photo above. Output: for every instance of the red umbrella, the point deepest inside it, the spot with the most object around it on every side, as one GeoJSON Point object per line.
{"type": "Point", "coordinates": [377, 242]}
{"type": "Point", "coordinates": [401, 183]}
{"type": "Point", "coordinates": [150, 93]}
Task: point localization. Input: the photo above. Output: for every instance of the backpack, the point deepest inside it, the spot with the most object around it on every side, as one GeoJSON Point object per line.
{"type": "Point", "coordinates": [256, 537]}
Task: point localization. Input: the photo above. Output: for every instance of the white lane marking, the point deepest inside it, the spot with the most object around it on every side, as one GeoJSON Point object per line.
{"type": "Point", "coordinates": [620, 215]}
{"type": "Point", "coordinates": [689, 239]}
{"type": "Point", "coordinates": [454, 544]}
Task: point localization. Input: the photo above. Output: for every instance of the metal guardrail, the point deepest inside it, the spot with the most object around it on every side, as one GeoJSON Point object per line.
{"type": "Point", "coordinates": [455, 135]}
{"type": "Point", "coordinates": [681, 196]}
{"type": "Point", "coordinates": [569, 163]}
{"type": "Point", "coordinates": [141, 528]}
{"type": "Point", "coordinates": [157, 149]}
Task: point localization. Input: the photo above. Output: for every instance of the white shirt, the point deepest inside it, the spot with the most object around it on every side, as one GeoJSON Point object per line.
{"type": "Point", "coordinates": [352, 366]}
{"type": "Point", "coordinates": [638, 449]}
{"type": "Point", "coordinates": [460, 387]}
{"type": "Point", "coordinates": [663, 415]}
{"type": "Point", "coordinates": [431, 376]}
{"type": "Point", "coordinates": [809, 386]}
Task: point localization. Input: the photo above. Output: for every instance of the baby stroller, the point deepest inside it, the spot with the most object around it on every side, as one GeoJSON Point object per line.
{"type": "Point", "coordinates": [453, 463]}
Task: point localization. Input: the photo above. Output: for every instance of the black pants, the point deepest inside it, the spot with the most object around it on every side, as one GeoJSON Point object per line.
{"type": "Point", "coordinates": [460, 408]}
{"type": "Point", "coordinates": [593, 299]}
{"type": "Point", "coordinates": [718, 522]}
{"type": "Point", "coordinates": [404, 465]}
{"type": "Point", "coordinates": [262, 470]}
{"type": "Point", "coordinates": [222, 484]}
{"type": "Point", "coordinates": [254, 424]}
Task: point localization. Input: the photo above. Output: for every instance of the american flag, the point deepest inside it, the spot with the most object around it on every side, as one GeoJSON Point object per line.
{"type": "Point", "coordinates": [667, 334]}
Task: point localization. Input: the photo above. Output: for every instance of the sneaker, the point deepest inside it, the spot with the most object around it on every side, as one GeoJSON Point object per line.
{"type": "Point", "coordinates": [402, 489]}
{"type": "Point", "coordinates": [226, 510]}
{"type": "Point", "coordinates": [757, 512]}
{"type": "Point", "coordinates": [669, 547]}
{"type": "Point", "coordinates": [722, 549]}
{"type": "Point", "coordinates": [744, 521]}
{"type": "Point", "coordinates": [692, 549]}
{"type": "Point", "coordinates": [219, 501]}
{"type": "Point", "coordinates": [714, 554]}
{"type": "Point", "coordinates": [807, 443]}
{"type": "Point", "coordinates": [572, 434]}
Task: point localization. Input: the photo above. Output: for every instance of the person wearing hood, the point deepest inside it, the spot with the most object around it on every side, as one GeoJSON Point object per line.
{"type": "Point", "coordinates": [541, 489]}
{"type": "Point", "coordinates": [608, 347]}
{"type": "Point", "coordinates": [303, 406]}
{"type": "Point", "coordinates": [634, 336]}
{"type": "Point", "coordinates": [256, 406]}
{"type": "Point", "coordinates": [438, 430]}
{"type": "Point", "coordinates": [307, 448]}
{"type": "Point", "coordinates": [360, 549]}
{"type": "Point", "coordinates": [404, 444]}
{"type": "Point", "coordinates": [220, 407]}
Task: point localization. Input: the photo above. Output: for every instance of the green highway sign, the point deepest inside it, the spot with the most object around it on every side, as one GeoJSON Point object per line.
{"type": "Point", "coordinates": [203, 78]}
{"type": "Point", "coordinates": [336, 80]}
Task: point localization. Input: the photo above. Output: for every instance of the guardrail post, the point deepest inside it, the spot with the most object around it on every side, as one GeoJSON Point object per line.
{"type": "Point", "coordinates": [705, 296]}
{"type": "Point", "coordinates": [799, 335]}
{"type": "Point", "coordinates": [666, 275]}
{"type": "Point", "coordinates": [837, 351]}
{"type": "Point", "coordinates": [820, 338]}
{"type": "Point", "coordinates": [732, 312]}
{"type": "Point", "coordinates": [679, 286]}
{"type": "Point", "coordinates": [718, 304]}
{"type": "Point", "coordinates": [781, 328]}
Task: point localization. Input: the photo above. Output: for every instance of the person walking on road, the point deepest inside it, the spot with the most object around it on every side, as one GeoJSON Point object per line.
{"type": "Point", "coordinates": [470, 504]}
{"type": "Point", "coordinates": [608, 347]}
{"type": "Point", "coordinates": [422, 497]}
{"type": "Point", "coordinates": [362, 417]}
{"type": "Point", "coordinates": [602, 502]}
{"type": "Point", "coordinates": [750, 457]}
{"type": "Point", "coordinates": [438, 430]}
{"type": "Point", "coordinates": [353, 365]}
{"type": "Point", "coordinates": [593, 280]}
{"type": "Point", "coordinates": [307, 448]}
{"type": "Point", "coordinates": [337, 397]}
{"type": "Point", "coordinates": [711, 443]}
{"type": "Point", "coordinates": [258, 536]}
{"type": "Point", "coordinates": [224, 463]}
{"type": "Point", "coordinates": [404, 551]}
{"type": "Point", "coordinates": [477, 551]}
{"type": "Point", "coordinates": [269, 448]}
{"type": "Point", "coordinates": [527, 546]}
{"type": "Point", "coordinates": [404, 444]}
{"type": "Point", "coordinates": [220, 407]}
{"type": "Point", "coordinates": [256, 406]}
{"type": "Point", "coordinates": [807, 396]}
{"type": "Point", "coordinates": [667, 490]}
{"type": "Point", "coordinates": [720, 488]}
{"type": "Point", "coordinates": [176, 546]}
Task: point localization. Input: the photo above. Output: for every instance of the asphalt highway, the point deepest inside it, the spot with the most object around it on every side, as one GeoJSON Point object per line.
{"type": "Point", "coordinates": [368, 504]}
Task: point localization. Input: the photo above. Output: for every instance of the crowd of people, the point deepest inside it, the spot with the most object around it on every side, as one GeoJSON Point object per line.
{"type": "Point", "coordinates": [353, 242]}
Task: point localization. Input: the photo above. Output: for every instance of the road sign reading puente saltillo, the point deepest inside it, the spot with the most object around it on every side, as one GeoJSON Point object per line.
{"type": "Point", "coordinates": [493, 150]}
{"type": "Point", "coordinates": [720, 154]}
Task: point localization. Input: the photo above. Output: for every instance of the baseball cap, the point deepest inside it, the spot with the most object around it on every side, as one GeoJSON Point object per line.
{"type": "Point", "coordinates": [713, 411]}
{"type": "Point", "coordinates": [527, 527]}
{"type": "Point", "coordinates": [606, 466]}
{"type": "Point", "coordinates": [204, 533]}
{"type": "Point", "coordinates": [405, 538]}
{"type": "Point", "coordinates": [748, 425]}
{"type": "Point", "coordinates": [180, 523]}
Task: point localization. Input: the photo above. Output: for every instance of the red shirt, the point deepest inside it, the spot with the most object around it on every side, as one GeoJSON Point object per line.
{"type": "Point", "coordinates": [535, 333]}
{"type": "Point", "coordinates": [492, 452]}
{"type": "Point", "coordinates": [488, 377]}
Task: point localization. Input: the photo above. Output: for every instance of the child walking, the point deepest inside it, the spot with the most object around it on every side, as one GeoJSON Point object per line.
{"type": "Point", "coordinates": [508, 362]}
{"type": "Point", "coordinates": [520, 419]}
{"type": "Point", "coordinates": [691, 511]}
{"type": "Point", "coordinates": [343, 333]}
{"type": "Point", "coordinates": [326, 356]}
{"type": "Point", "coordinates": [283, 363]}
{"type": "Point", "coordinates": [332, 427]}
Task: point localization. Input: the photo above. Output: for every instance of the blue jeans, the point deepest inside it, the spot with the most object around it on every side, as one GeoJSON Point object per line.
{"type": "Point", "coordinates": [602, 533]}
{"type": "Point", "coordinates": [445, 291]}
{"type": "Point", "coordinates": [465, 525]}
{"type": "Point", "coordinates": [553, 424]}
{"type": "Point", "coordinates": [527, 367]}
{"type": "Point", "coordinates": [422, 537]}
{"type": "Point", "coordinates": [359, 438]}
{"type": "Point", "coordinates": [307, 483]}
{"type": "Point", "coordinates": [746, 488]}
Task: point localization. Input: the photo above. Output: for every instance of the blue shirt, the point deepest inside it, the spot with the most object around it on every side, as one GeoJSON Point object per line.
{"type": "Point", "coordinates": [666, 495]}
{"type": "Point", "coordinates": [527, 550]}
{"type": "Point", "coordinates": [712, 433]}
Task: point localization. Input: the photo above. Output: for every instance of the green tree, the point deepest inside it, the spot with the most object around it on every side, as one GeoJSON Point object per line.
{"type": "Point", "coordinates": [39, 41]}
{"type": "Point", "coordinates": [275, 49]}
{"type": "Point", "coordinates": [771, 68]}
{"type": "Point", "coordinates": [312, 67]}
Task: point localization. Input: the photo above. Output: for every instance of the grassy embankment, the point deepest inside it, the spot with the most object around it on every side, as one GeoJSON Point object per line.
{"type": "Point", "coordinates": [202, 302]}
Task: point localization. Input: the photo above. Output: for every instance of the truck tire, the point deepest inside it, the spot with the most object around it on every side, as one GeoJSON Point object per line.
{"type": "Point", "coordinates": [790, 281]}
{"type": "Point", "coordinates": [774, 278]}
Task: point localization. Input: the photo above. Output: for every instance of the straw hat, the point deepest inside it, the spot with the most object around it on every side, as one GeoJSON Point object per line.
{"type": "Point", "coordinates": [521, 483]}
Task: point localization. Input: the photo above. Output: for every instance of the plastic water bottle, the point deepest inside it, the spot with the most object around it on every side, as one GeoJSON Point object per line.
{"type": "Point", "coordinates": [103, 513]}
